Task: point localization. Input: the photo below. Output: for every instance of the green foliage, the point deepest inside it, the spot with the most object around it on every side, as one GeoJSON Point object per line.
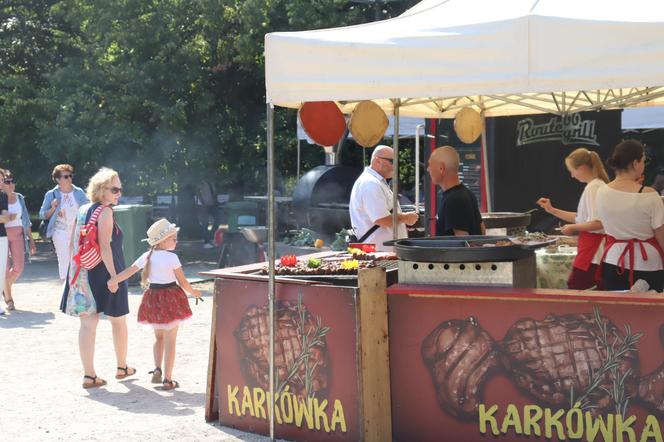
{"type": "Point", "coordinates": [165, 91]}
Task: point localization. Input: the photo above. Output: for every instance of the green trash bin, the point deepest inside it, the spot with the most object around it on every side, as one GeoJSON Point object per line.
{"type": "Point", "coordinates": [241, 213]}
{"type": "Point", "coordinates": [133, 220]}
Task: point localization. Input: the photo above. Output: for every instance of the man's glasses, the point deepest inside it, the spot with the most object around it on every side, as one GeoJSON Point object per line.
{"type": "Point", "coordinates": [67, 177]}
{"type": "Point", "coordinates": [391, 160]}
{"type": "Point", "coordinates": [115, 190]}
{"type": "Point", "coordinates": [9, 181]}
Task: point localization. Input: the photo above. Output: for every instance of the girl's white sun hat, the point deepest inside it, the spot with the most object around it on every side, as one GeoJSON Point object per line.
{"type": "Point", "coordinates": [159, 231]}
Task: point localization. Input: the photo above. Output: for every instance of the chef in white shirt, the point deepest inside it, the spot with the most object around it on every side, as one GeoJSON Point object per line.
{"type": "Point", "coordinates": [371, 202]}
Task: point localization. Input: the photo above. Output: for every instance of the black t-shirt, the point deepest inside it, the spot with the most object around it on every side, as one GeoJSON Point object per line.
{"type": "Point", "coordinates": [4, 205]}
{"type": "Point", "coordinates": [458, 210]}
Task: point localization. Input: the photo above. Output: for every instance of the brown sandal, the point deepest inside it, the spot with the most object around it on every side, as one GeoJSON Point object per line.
{"type": "Point", "coordinates": [10, 305]}
{"type": "Point", "coordinates": [96, 382]}
{"type": "Point", "coordinates": [156, 375]}
{"type": "Point", "coordinates": [169, 384]}
{"type": "Point", "coordinates": [128, 371]}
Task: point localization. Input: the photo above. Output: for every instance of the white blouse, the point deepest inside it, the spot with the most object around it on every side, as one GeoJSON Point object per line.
{"type": "Point", "coordinates": [627, 215]}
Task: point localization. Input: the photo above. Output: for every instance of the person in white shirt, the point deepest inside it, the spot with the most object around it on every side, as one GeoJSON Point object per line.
{"type": "Point", "coordinates": [164, 306]}
{"type": "Point", "coordinates": [633, 219]}
{"type": "Point", "coordinates": [371, 202]}
{"type": "Point", "coordinates": [585, 166]}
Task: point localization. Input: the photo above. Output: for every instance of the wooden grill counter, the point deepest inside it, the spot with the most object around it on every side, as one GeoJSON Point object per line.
{"type": "Point", "coordinates": [483, 363]}
{"type": "Point", "coordinates": [331, 354]}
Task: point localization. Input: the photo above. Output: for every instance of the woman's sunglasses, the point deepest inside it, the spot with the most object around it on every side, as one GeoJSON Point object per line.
{"type": "Point", "coordinates": [9, 181]}
{"type": "Point", "coordinates": [67, 177]}
{"type": "Point", "coordinates": [115, 190]}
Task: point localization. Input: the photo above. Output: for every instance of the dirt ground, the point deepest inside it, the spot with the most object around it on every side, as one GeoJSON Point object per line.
{"type": "Point", "coordinates": [41, 375]}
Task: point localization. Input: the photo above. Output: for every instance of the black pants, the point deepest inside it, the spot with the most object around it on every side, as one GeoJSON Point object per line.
{"type": "Point", "coordinates": [613, 281]}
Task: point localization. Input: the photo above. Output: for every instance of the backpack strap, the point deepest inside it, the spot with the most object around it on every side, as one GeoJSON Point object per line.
{"type": "Point", "coordinates": [95, 214]}
{"type": "Point", "coordinates": [92, 220]}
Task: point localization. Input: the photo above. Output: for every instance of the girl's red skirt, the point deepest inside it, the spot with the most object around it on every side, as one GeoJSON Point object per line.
{"type": "Point", "coordinates": [164, 308]}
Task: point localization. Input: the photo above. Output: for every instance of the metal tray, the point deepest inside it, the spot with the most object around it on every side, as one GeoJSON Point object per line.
{"type": "Point", "coordinates": [458, 249]}
{"type": "Point", "coordinates": [495, 220]}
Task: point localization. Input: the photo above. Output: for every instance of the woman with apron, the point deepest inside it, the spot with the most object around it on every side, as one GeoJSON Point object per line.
{"type": "Point", "coordinates": [633, 219]}
{"type": "Point", "coordinates": [585, 166]}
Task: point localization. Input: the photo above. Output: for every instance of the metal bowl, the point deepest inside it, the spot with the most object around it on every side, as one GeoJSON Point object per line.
{"type": "Point", "coordinates": [255, 234]}
{"type": "Point", "coordinates": [493, 220]}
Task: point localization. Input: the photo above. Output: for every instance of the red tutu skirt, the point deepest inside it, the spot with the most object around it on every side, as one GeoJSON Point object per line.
{"type": "Point", "coordinates": [164, 308]}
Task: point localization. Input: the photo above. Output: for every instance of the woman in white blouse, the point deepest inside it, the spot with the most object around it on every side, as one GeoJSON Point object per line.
{"type": "Point", "coordinates": [585, 166]}
{"type": "Point", "coordinates": [633, 218]}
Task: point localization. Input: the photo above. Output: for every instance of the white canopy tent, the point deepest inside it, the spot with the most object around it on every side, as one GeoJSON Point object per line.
{"type": "Point", "coordinates": [502, 57]}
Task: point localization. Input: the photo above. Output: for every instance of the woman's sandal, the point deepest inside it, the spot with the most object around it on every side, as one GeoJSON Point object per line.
{"type": "Point", "coordinates": [128, 371]}
{"type": "Point", "coordinates": [169, 384]}
{"type": "Point", "coordinates": [96, 382]}
{"type": "Point", "coordinates": [10, 305]}
{"type": "Point", "coordinates": [156, 375]}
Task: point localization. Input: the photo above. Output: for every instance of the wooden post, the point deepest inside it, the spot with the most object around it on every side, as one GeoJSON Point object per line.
{"type": "Point", "coordinates": [211, 400]}
{"type": "Point", "coordinates": [374, 357]}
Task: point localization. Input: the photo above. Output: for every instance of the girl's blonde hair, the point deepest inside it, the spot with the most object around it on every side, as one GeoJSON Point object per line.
{"type": "Point", "coordinates": [585, 157]}
{"type": "Point", "coordinates": [145, 273]}
{"type": "Point", "coordinates": [98, 182]}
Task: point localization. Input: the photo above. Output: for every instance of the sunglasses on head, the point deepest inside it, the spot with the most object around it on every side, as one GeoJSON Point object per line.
{"type": "Point", "coordinates": [9, 181]}
{"type": "Point", "coordinates": [391, 160]}
{"type": "Point", "coordinates": [115, 190]}
{"type": "Point", "coordinates": [67, 176]}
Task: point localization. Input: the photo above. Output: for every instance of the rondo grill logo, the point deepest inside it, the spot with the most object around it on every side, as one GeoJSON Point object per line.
{"type": "Point", "coordinates": [568, 129]}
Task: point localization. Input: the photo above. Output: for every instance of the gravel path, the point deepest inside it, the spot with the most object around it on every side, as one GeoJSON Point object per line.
{"type": "Point", "coordinates": [40, 372]}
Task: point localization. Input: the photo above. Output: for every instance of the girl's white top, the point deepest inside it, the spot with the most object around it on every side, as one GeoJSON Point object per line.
{"type": "Point", "coordinates": [627, 215]}
{"type": "Point", "coordinates": [162, 266]}
{"type": "Point", "coordinates": [18, 210]}
{"type": "Point", "coordinates": [587, 211]}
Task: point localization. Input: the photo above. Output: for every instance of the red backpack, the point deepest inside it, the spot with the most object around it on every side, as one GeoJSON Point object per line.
{"type": "Point", "coordinates": [89, 255]}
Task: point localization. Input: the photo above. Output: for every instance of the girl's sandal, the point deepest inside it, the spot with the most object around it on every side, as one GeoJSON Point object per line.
{"type": "Point", "coordinates": [169, 384]}
{"type": "Point", "coordinates": [156, 375]}
{"type": "Point", "coordinates": [128, 371]}
{"type": "Point", "coordinates": [96, 382]}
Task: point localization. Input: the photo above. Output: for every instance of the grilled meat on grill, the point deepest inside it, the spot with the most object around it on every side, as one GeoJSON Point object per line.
{"type": "Point", "coordinates": [293, 329]}
{"type": "Point", "coordinates": [549, 358]}
{"type": "Point", "coordinates": [460, 356]}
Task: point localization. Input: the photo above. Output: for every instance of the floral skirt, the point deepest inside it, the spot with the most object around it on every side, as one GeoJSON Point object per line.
{"type": "Point", "coordinates": [164, 308]}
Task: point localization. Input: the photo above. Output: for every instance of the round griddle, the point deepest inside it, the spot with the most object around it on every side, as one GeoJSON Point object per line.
{"type": "Point", "coordinates": [322, 121]}
{"type": "Point", "coordinates": [496, 220]}
{"type": "Point", "coordinates": [457, 249]}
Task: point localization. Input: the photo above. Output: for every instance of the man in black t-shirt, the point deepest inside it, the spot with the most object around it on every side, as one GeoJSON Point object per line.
{"type": "Point", "coordinates": [458, 213]}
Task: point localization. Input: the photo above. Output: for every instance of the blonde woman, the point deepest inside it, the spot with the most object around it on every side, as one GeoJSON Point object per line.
{"type": "Point", "coordinates": [585, 166]}
{"type": "Point", "coordinates": [104, 190]}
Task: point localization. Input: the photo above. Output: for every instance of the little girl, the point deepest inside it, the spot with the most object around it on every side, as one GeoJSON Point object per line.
{"type": "Point", "coordinates": [164, 305]}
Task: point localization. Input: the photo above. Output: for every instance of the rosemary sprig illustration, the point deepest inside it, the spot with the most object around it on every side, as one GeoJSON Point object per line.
{"type": "Point", "coordinates": [309, 338]}
{"type": "Point", "coordinates": [615, 349]}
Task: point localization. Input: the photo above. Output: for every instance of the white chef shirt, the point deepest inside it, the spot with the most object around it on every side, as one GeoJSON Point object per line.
{"type": "Point", "coordinates": [627, 215]}
{"type": "Point", "coordinates": [162, 266]}
{"type": "Point", "coordinates": [371, 200]}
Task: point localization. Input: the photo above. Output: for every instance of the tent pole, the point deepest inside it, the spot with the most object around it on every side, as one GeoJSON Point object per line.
{"type": "Point", "coordinates": [395, 171]}
{"type": "Point", "coordinates": [485, 165]}
{"type": "Point", "coordinates": [271, 257]}
{"type": "Point", "coordinates": [298, 158]}
{"type": "Point", "coordinates": [417, 167]}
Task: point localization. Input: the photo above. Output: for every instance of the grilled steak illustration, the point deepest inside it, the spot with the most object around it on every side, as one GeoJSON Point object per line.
{"type": "Point", "coordinates": [559, 361]}
{"type": "Point", "coordinates": [460, 356]}
{"type": "Point", "coordinates": [301, 356]}
{"type": "Point", "coordinates": [558, 356]}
